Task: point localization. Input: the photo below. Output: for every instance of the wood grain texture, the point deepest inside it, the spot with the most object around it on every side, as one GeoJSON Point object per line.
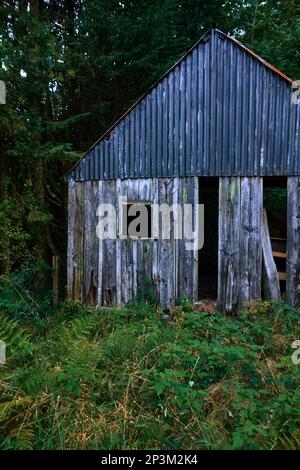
{"type": "Point", "coordinates": [166, 248]}
{"type": "Point", "coordinates": [250, 239]}
{"type": "Point", "coordinates": [109, 195]}
{"type": "Point", "coordinates": [70, 241]}
{"type": "Point", "coordinates": [112, 272]}
{"type": "Point", "coordinates": [293, 242]}
{"type": "Point", "coordinates": [75, 241]}
{"type": "Point", "coordinates": [240, 246]}
{"type": "Point", "coordinates": [188, 259]}
{"type": "Point", "coordinates": [271, 287]}
{"type": "Point", "coordinates": [229, 238]}
{"type": "Point", "coordinates": [90, 243]}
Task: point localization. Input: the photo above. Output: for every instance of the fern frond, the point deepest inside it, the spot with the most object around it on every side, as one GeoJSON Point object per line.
{"type": "Point", "coordinates": [16, 339]}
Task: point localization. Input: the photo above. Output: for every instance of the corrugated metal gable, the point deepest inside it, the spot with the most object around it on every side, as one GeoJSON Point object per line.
{"type": "Point", "coordinates": [221, 111]}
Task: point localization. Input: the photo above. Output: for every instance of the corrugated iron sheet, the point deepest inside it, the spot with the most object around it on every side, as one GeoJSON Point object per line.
{"type": "Point", "coordinates": [220, 111]}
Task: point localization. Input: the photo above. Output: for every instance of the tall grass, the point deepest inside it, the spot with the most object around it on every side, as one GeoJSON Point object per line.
{"type": "Point", "coordinates": [124, 379]}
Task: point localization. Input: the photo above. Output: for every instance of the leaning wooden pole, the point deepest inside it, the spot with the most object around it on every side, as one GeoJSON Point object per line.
{"type": "Point", "coordinates": [271, 287]}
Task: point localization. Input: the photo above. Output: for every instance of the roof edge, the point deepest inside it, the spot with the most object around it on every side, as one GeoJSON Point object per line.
{"type": "Point", "coordinates": [256, 56]}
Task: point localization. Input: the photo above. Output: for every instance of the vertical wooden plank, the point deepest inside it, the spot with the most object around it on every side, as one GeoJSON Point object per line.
{"type": "Point", "coordinates": [229, 228]}
{"type": "Point", "coordinates": [155, 242]}
{"type": "Point", "coordinates": [176, 121]}
{"type": "Point", "coordinates": [90, 243]}
{"type": "Point", "coordinates": [143, 154]}
{"type": "Point", "coordinates": [182, 271]}
{"type": "Point", "coordinates": [271, 287]}
{"type": "Point", "coordinates": [127, 270]}
{"type": "Point", "coordinates": [166, 249]}
{"type": "Point", "coordinates": [188, 265]}
{"type": "Point", "coordinates": [136, 111]}
{"type": "Point", "coordinates": [189, 130]}
{"type": "Point", "coordinates": [293, 242]}
{"type": "Point", "coordinates": [121, 149]}
{"type": "Point", "coordinates": [133, 282]}
{"type": "Point", "coordinates": [159, 124]}
{"type": "Point", "coordinates": [133, 245]}
{"type": "Point", "coordinates": [126, 159]}
{"type": "Point", "coordinates": [195, 253]}
{"type": "Point", "coordinates": [115, 144]}
{"type": "Point", "coordinates": [250, 257]}
{"type": "Point", "coordinates": [77, 251]}
{"type": "Point", "coordinates": [175, 201]}
{"type": "Point", "coordinates": [182, 132]}
{"type": "Point", "coordinates": [165, 120]}
{"type": "Point", "coordinates": [71, 228]}
{"type": "Point", "coordinates": [195, 103]}
{"type": "Point", "coordinates": [153, 132]}
{"type": "Point", "coordinates": [126, 248]}
{"type": "Point", "coordinates": [123, 194]}
{"type": "Point", "coordinates": [171, 122]}
{"type": "Point", "coordinates": [109, 251]}
{"type": "Point", "coordinates": [148, 135]}
{"type": "Point", "coordinates": [118, 245]}
{"type": "Point", "coordinates": [100, 251]}
{"type": "Point", "coordinates": [144, 274]}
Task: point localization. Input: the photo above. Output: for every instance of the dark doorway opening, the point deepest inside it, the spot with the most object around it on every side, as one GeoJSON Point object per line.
{"type": "Point", "coordinates": [208, 255]}
{"type": "Point", "coordinates": [275, 204]}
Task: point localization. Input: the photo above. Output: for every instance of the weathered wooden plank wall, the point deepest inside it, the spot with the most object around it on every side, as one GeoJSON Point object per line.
{"type": "Point", "coordinates": [293, 242]}
{"type": "Point", "coordinates": [240, 249]}
{"type": "Point", "coordinates": [112, 272]}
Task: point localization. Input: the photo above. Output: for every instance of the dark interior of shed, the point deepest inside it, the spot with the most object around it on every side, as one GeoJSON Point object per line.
{"type": "Point", "coordinates": [208, 255]}
{"type": "Point", "coordinates": [275, 203]}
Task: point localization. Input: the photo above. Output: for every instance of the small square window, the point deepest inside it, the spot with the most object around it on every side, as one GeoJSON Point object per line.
{"type": "Point", "coordinates": [136, 220]}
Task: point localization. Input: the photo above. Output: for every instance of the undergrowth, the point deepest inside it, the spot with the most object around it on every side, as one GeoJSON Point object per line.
{"type": "Point", "coordinates": [125, 379]}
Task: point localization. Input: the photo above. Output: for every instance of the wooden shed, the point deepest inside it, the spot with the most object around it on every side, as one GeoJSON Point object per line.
{"type": "Point", "coordinates": [220, 126]}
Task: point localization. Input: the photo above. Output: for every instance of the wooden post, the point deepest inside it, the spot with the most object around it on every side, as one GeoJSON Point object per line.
{"type": "Point", "coordinates": [229, 231]}
{"type": "Point", "coordinates": [250, 245]}
{"type": "Point", "coordinates": [293, 242]}
{"type": "Point", "coordinates": [271, 287]}
{"type": "Point", "coordinates": [71, 221]}
{"type": "Point", "coordinates": [166, 250]}
{"type": "Point", "coordinates": [75, 241]}
{"type": "Point", "coordinates": [90, 243]}
{"type": "Point", "coordinates": [56, 280]}
{"type": "Point", "coordinates": [187, 260]}
{"type": "Point", "coordinates": [240, 249]}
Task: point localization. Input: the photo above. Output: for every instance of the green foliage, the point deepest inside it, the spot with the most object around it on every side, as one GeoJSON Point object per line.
{"type": "Point", "coordinates": [120, 379]}
{"type": "Point", "coordinates": [275, 199]}
{"type": "Point", "coordinates": [147, 290]}
{"type": "Point", "coordinates": [13, 236]}
{"type": "Point", "coordinates": [72, 68]}
{"type": "Point", "coordinates": [16, 339]}
{"type": "Point", "coordinates": [26, 292]}
{"type": "Point", "coordinates": [184, 301]}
